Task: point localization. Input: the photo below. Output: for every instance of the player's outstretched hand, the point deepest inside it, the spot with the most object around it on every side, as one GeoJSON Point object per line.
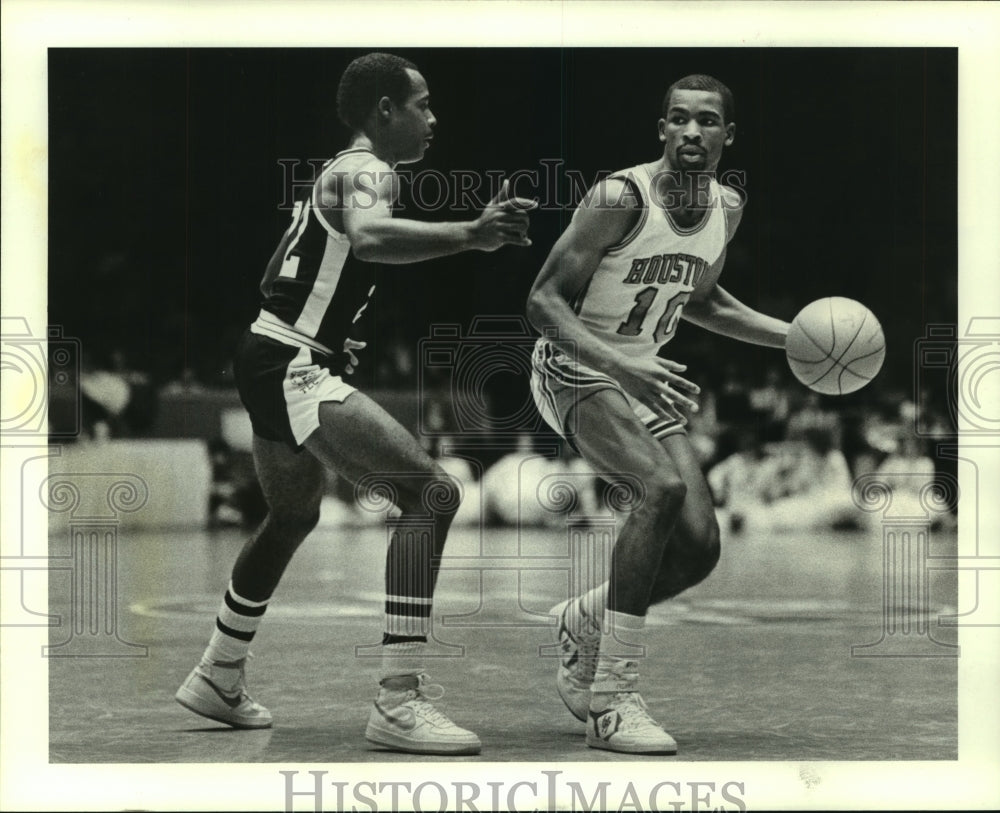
{"type": "Point", "coordinates": [656, 383]}
{"type": "Point", "coordinates": [504, 221]}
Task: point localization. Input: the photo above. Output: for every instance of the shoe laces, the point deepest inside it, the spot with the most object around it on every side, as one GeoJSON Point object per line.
{"type": "Point", "coordinates": [588, 648]}
{"type": "Point", "coordinates": [420, 697]}
{"type": "Point", "coordinates": [633, 710]}
{"type": "Point", "coordinates": [587, 660]}
{"type": "Point", "coordinates": [426, 690]}
{"type": "Point", "coordinates": [625, 670]}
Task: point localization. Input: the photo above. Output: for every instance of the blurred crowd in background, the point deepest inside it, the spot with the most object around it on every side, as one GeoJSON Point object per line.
{"type": "Point", "coordinates": [777, 456]}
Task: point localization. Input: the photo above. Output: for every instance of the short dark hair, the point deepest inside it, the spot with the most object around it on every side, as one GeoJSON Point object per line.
{"type": "Point", "coordinates": [366, 80]}
{"type": "Point", "coordinates": [701, 81]}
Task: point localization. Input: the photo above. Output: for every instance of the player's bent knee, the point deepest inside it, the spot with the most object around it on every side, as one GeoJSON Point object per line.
{"type": "Point", "coordinates": [294, 525]}
{"type": "Point", "coordinates": [665, 492]}
{"type": "Point", "coordinates": [439, 495]}
{"type": "Point", "coordinates": [443, 496]}
{"type": "Point", "coordinates": [705, 552]}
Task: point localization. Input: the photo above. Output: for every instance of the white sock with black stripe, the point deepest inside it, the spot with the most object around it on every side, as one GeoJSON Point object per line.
{"type": "Point", "coordinates": [407, 623]}
{"type": "Point", "coordinates": [402, 657]}
{"type": "Point", "coordinates": [235, 626]}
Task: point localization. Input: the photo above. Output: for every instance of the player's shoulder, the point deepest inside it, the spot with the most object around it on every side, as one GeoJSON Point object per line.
{"type": "Point", "coordinates": [608, 211]}
{"type": "Point", "coordinates": [356, 158]}
{"type": "Point", "coordinates": [733, 200]}
{"type": "Point", "coordinates": [357, 172]}
{"type": "Point", "coordinates": [352, 164]}
{"type": "Point", "coordinates": [617, 193]}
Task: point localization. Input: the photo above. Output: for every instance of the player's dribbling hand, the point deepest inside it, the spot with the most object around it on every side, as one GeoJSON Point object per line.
{"type": "Point", "coordinates": [656, 383]}
{"type": "Point", "coordinates": [504, 221]}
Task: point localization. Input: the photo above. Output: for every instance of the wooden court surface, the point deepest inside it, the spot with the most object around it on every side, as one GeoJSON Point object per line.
{"type": "Point", "coordinates": [756, 663]}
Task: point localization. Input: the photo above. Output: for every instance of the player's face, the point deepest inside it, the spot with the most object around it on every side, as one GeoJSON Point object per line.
{"type": "Point", "coordinates": [414, 122]}
{"type": "Point", "coordinates": [694, 131]}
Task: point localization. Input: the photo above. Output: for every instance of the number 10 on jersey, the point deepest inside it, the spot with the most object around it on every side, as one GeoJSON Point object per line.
{"type": "Point", "coordinates": [667, 323]}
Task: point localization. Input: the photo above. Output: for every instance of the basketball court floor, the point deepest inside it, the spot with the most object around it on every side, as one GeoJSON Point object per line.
{"type": "Point", "coordinates": [789, 651]}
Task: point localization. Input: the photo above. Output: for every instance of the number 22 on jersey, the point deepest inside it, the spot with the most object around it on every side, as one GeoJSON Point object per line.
{"type": "Point", "coordinates": [665, 325]}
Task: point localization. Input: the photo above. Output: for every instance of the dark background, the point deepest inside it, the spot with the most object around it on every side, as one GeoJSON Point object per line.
{"type": "Point", "coordinates": [166, 188]}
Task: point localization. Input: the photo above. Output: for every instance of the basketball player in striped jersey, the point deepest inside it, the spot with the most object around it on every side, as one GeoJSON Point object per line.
{"type": "Point", "coordinates": [644, 250]}
{"type": "Point", "coordinates": [293, 368]}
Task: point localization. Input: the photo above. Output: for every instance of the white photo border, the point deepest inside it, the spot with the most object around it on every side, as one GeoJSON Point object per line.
{"type": "Point", "coordinates": [29, 782]}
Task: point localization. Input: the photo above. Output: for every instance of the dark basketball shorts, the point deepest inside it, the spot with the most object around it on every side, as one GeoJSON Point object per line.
{"type": "Point", "coordinates": [282, 385]}
{"type": "Point", "coordinates": [559, 383]}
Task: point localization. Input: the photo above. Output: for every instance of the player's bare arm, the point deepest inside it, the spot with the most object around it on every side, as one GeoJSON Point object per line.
{"type": "Point", "coordinates": [714, 308]}
{"type": "Point", "coordinates": [602, 221]}
{"type": "Point", "coordinates": [377, 236]}
{"type": "Point", "coordinates": [721, 312]}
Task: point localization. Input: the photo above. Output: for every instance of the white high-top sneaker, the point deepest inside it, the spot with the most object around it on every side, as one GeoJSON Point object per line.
{"type": "Point", "coordinates": [619, 720]}
{"type": "Point", "coordinates": [403, 719]}
{"type": "Point", "coordinates": [218, 690]}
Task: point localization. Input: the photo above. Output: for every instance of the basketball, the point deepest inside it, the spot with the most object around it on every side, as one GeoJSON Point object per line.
{"type": "Point", "coordinates": [835, 346]}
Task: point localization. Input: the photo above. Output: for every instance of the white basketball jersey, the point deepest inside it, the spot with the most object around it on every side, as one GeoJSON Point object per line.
{"type": "Point", "coordinates": [635, 297]}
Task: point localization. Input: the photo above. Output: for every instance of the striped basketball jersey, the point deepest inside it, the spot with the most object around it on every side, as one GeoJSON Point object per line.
{"type": "Point", "coordinates": [315, 290]}
{"type": "Point", "coordinates": [635, 296]}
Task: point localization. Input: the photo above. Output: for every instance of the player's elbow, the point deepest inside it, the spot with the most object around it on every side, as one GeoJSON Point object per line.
{"type": "Point", "coordinates": [694, 309]}
{"type": "Point", "coordinates": [366, 247]}
{"type": "Point", "coordinates": [537, 309]}
{"type": "Point", "coordinates": [531, 311]}
{"type": "Point", "coordinates": [700, 312]}
{"type": "Point", "coordinates": [366, 252]}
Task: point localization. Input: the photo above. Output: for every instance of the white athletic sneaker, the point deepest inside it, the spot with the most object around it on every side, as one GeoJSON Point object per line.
{"type": "Point", "coordinates": [620, 721]}
{"type": "Point", "coordinates": [218, 690]}
{"type": "Point", "coordinates": [577, 663]}
{"type": "Point", "coordinates": [402, 719]}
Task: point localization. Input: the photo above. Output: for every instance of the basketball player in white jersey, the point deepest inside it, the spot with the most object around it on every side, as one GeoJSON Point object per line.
{"type": "Point", "coordinates": [643, 251]}
{"type": "Point", "coordinates": [293, 368]}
